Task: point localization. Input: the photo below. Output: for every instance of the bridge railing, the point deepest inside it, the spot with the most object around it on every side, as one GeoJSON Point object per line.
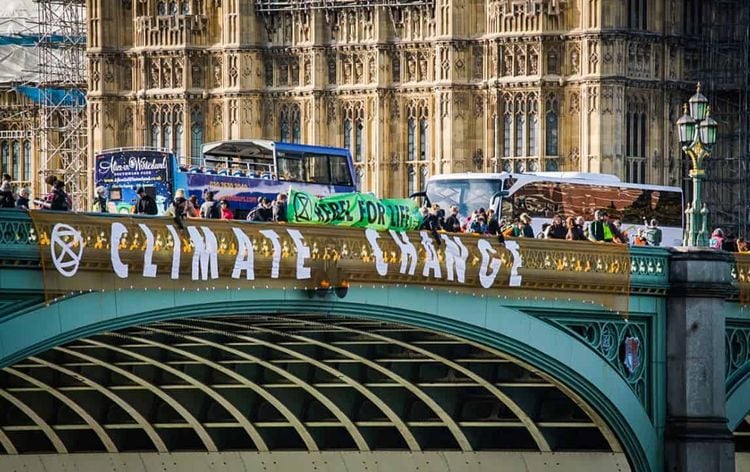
{"type": "Point", "coordinates": [648, 266]}
{"type": "Point", "coordinates": [18, 242]}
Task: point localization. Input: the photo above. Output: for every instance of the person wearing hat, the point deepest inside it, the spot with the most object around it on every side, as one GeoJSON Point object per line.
{"type": "Point", "coordinates": [100, 200]}
{"type": "Point", "coordinates": [145, 205]}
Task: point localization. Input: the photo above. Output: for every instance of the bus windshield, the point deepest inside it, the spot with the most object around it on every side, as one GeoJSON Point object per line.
{"type": "Point", "coordinates": [467, 194]}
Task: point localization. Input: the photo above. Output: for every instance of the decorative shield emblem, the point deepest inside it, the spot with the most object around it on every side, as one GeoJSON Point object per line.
{"type": "Point", "coordinates": [632, 353]}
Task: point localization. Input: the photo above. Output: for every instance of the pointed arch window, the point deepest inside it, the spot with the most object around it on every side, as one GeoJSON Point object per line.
{"type": "Point", "coordinates": [520, 131]}
{"type": "Point", "coordinates": [196, 132]}
{"type": "Point", "coordinates": [27, 160]}
{"type": "Point", "coordinates": [507, 133]}
{"type": "Point", "coordinates": [348, 134]}
{"type": "Point", "coordinates": [5, 156]}
{"type": "Point", "coordinates": [16, 156]}
{"type": "Point", "coordinates": [358, 154]}
{"type": "Point", "coordinates": [423, 139]}
{"type": "Point", "coordinates": [551, 129]}
{"type": "Point", "coordinates": [636, 139]}
{"type": "Point", "coordinates": [296, 125]}
{"type": "Point", "coordinates": [178, 137]}
{"type": "Point", "coordinates": [154, 127]}
{"type": "Point", "coordinates": [411, 130]}
{"type": "Point", "coordinates": [167, 135]}
{"type": "Point", "coordinates": [396, 68]}
{"type": "Point", "coordinates": [533, 125]}
{"type": "Point", "coordinates": [424, 173]}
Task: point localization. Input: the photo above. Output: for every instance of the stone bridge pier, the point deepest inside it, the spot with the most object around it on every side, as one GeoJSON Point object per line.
{"type": "Point", "coordinates": [697, 437]}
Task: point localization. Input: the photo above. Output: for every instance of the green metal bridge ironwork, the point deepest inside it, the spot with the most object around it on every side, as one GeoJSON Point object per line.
{"type": "Point", "coordinates": [387, 367]}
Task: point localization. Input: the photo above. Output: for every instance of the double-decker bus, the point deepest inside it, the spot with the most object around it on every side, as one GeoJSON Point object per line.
{"type": "Point", "coordinates": [545, 194]}
{"type": "Point", "coordinates": [239, 171]}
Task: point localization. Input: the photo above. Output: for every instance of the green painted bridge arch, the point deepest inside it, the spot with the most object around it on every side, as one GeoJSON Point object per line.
{"type": "Point", "coordinates": [501, 325]}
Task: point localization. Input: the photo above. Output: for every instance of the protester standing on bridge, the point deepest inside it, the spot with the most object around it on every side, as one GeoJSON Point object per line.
{"type": "Point", "coordinates": [100, 200]}
{"type": "Point", "coordinates": [7, 200]}
{"type": "Point", "coordinates": [192, 209]}
{"type": "Point", "coordinates": [226, 212]}
{"type": "Point", "coordinates": [210, 209]}
{"type": "Point", "coordinates": [523, 228]}
{"type": "Point", "coordinates": [22, 202]}
{"type": "Point", "coordinates": [575, 229]}
{"type": "Point", "coordinates": [652, 233]}
{"type": "Point", "coordinates": [279, 208]}
{"type": "Point", "coordinates": [717, 239]}
{"type": "Point", "coordinates": [262, 213]}
{"type": "Point", "coordinates": [601, 229]}
{"type": "Point", "coordinates": [145, 205]}
{"type": "Point", "coordinates": [453, 222]}
{"type": "Point", "coordinates": [557, 230]}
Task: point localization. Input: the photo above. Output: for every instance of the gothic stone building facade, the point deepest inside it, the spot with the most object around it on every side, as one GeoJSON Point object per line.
{"type": "Point", "coordinates": [411, 87]}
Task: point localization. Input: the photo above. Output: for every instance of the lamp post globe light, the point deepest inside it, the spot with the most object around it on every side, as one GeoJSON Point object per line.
{"type": "Point", "coordinates": [697, 133]}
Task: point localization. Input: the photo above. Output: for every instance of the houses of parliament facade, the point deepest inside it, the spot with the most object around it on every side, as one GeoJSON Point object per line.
{"type": "Point", "coordinates": [419, 87]}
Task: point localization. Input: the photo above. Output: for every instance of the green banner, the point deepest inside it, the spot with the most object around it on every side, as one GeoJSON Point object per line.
{"type": "Point", "coordinates": [359, 210]}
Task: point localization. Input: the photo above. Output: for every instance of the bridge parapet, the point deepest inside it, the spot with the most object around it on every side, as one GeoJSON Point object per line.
{"type": "Point", "coordinates": [541, 264]}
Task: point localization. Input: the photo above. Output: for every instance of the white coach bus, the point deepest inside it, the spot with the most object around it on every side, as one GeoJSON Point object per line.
{"type": "Point", "coordinates": [544, 194]}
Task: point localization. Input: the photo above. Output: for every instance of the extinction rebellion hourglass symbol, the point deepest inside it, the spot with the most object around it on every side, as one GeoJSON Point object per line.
{"type": "Point", "coordinates": [66, 248]}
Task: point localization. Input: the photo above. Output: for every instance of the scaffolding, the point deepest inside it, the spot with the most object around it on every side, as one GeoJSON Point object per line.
{"type": "Point", "coordinates": [724, 73]}
{"type": "Point", "coordinates": [62, 132]}
{"type": "Point", "coordinates": [273, 6]}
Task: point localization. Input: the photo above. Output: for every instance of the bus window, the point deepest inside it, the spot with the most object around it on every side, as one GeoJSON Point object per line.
{"type": "Point", "coordinates": [290, 166]}
{"type": "Point", "coordinates": [340, 174]}
{"type": "Point", "coordinates": [538, 200]}
{"type": "Point", "coordinates": [467, 194]}
{"type": "Point", "coordinates": [316, 169]}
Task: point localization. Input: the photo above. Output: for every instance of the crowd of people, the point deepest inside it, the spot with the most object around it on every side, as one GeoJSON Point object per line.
{"type": "Point", "coordinates": [481, 222]}
{"type": "Point", "coordinates": [56, 199]}
{"type": "Point", "coordinates": [485, 222]}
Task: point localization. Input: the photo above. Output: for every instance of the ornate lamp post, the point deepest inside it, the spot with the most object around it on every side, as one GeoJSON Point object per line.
{"type": "Point", "coordinates": [697, 134]}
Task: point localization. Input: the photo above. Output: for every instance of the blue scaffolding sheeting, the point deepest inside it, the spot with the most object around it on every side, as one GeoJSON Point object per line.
{"type": "Point", "coordinates": [54, 97]}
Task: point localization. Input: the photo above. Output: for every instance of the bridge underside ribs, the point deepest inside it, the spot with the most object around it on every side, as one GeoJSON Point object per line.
{"type": "Point", "coordinates": [292, 383]}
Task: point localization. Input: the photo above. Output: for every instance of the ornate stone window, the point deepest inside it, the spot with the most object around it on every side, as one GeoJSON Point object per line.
{"type": "Point", "coordinates": [637, 11]}
{"type": "Point", "coordinates": [332, 70]}
{"type": "Point", "coordinates": [636, 137]}
{"type": "Point", "coordinates": [358, 128]}
{"type": "Point", "coordinates": [5, 156]}
{"type": "Point", "coordinates": [520, 133]}
{"type": "Point", "coordinates": [353, 129]}
{"type": "Point", "coordinates": [27, 161]}
{"type": "Point", "coordinates": [196, 131]}
{"type": "Point", "coordinates": [551, 127]}
{"type": "Point", "coordinates": [410, 135]}
{"type": "Point", "coordinates": [347, 133]}
{"type": "Point", "coordinates": [165, 125]}
{"type": "Point", "coordinates": [289, 123]}
{"type": "Point", "coordinates": [691, 17]}
{"type": "Point", "coordinates": [423, 139]}
{"type": "Point", "coordinates": [16, 164]}
{"type": "Point", "coordinates": [396, 67]}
